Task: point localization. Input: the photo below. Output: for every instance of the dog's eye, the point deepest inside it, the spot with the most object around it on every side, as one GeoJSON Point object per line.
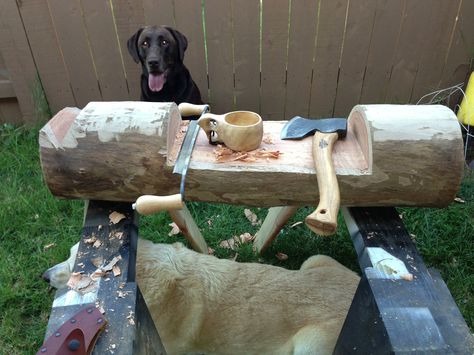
{"type": "Point", "coordinates": [145, 44]}
{"type": "Point", "coordinates": [164, 42]}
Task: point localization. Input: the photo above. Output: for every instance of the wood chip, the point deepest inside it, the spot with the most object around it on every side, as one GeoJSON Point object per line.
{"type": "Point", "coordinates": [174, 229]}
{"type": "Point", "coordinates": [224, 154]}
{"type": "Point", "coordinates": [296, 224]}
{"type": "Point", "coordinates": [228, 243]}
{"type": "Point", "coordinates": [90, 240]}
{"type": "Point", "coordinates": [267, 139]}
{"type": "Point", "coordinates": [116, 217]}
{"type": "Point", "coordinates": [110, 265]}
{"type": "Point", "coordinates": [81, 283]}
{"type": "Point", "coordinates": [97, 274]}
{"type": "Point", "coordinates": [49, 246]}
{"type": "Point", "coordinates": [116, 271]}
{"type": "Point", "coordinates": [97, 262]}
{"type": "Point", "coordinates": [235, 241]}
{"type": "Point", "coordinates": [407, 277]}
{"type": "Point", "coordinates": [281, 256]}
{"type": "Point", "coordinates": [97, 244]}
{"type": "Point", "coordinates": [130, 318]}
{"type": "Point", "coordinates": [252, 217]}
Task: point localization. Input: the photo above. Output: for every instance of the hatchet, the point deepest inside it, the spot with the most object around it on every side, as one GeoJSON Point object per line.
{"type": "Point", "coordinates": [327, 131]}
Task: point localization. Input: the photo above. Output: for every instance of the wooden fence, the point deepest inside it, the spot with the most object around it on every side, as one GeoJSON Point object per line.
{"type": "Point", "coordinates": [276, 57]}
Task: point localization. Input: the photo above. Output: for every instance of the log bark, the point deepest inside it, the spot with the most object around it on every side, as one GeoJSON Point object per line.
{"type": "Point", "coordinates": [393, 155]}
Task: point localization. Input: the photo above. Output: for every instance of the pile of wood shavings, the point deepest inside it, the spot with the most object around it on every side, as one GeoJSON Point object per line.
{"type": "Point", "coordinates": [224, 154]}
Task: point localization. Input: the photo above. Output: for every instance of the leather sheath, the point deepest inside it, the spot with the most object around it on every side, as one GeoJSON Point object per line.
{"type": "Point", "coordinates": [77, 336]}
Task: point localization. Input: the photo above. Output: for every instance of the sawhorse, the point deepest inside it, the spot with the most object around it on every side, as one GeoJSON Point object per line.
{"type": "Point", "coordinates": [387, 315]}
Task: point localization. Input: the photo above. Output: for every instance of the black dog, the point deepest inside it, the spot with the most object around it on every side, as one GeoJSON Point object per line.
{"type": "Point", "coordinates": [160, 50]}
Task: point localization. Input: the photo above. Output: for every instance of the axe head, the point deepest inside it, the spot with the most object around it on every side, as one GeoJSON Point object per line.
{"type": "Point", "coordinates": [299, 127]}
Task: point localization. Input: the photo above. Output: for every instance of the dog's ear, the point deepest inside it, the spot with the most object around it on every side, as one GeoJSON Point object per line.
{"type": "Point", "coordinates": [132, 45]}
{"type": "Point", "coordinates": [181, 40]}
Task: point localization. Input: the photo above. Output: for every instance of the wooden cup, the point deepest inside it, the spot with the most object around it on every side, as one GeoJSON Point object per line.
{"type": "Point", "coordinates": [238, 130]}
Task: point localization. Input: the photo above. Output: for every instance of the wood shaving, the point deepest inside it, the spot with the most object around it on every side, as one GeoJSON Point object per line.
{"type": "Point", "coordinates": [296, 224]}
{"type": "Point", "coordinates": [97, 262]}
{"type": "Point", "coordinates": [97, 274]}
{"type": "Point", "coordinates": [81, 283]}
{"type": "Point", "coordinates": [235, 241]}
{"type": "Point", "coordinates": [130, 318]}
{"type": "Point", "coordinates": [174, 229]}
{"type": "Point", "coordinates": [267, 139]}
{"type": "Point", "coordinates": [116, 217]}
{"type": "Point", "coordinates": [281, 256]}
{"type": "Point", "coordinates": [224, 154]}
{"type": "Point", "coordinates": [49, 246]}
{"type": "Point", "coordinates": [116, 271]}
{"type": "Point", "coordinates": [115, 234]}
{"type": "Point", "coordinates": [97, 244]}
{"type": "Point", "coordinates": [110, 265]}
{"type": "Point", "coordinates": [90, 240]}
{"type": "Point", "coordinates": [252, 217]}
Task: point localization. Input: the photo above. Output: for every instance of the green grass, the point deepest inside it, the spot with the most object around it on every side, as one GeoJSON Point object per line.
{"type": "Point", "coordinates": [30, 218]}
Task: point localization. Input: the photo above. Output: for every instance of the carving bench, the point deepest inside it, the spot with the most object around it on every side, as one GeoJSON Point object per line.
{"type": "Point", "coordinates": [111, 153]}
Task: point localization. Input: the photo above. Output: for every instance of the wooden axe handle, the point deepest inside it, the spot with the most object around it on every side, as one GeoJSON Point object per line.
{"type": "Point", "coordinates": [149, 204]}
{"type": "Point", "coordinates": [323, 220]}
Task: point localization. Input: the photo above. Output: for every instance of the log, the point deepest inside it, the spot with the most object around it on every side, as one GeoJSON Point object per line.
{"type": "Point", "coordinates": [115, 151]}
{"type": "Point", "coordinates": [393, 155]}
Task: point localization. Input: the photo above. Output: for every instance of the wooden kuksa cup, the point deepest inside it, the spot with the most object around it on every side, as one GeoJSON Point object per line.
{"type": "Point", "coordinates": [238, 130]}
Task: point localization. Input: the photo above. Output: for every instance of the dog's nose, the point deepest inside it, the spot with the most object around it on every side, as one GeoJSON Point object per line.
{"type": "Point", "coordinates": [45, 277]}
{"type": "Point", "coordinates": [153, 63]}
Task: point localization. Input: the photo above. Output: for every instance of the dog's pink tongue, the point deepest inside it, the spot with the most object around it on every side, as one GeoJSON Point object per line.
{"type": "Point", "coordinates": [156, 82]}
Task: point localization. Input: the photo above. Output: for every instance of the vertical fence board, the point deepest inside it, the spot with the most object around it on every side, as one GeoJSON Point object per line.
{"type": "Point", "coordinates": [10, 112]}
{"type": "Point", "coordinates": [246, 29]}
{"type": "Point", "coordinates": [9, 107]}
{"type": "Point", "coordinates": [105, 49]}
{"type": "Point", "coordinates": [360, 20]}
{"type": "Point", "coordinates": [68, 21]}
{"type": "Point", "coordinates": [18, 59]}
{"type": "Point", "coordinates": [219, 55]}
{"type": "Point", "coordinates": [275, 15]}
{"type": "Point", "coordinates": [330, 32]}
{"type": "Point", "coordinates": [410, 48]}
{"type": "Point", "coordinates": [461, 54]}
{"type": "Point", "coordinates": [413, 34]}
{"type": "Point", "coordinates": [437, 44]}
{"type": "Point", "coordinates": [159, 12]}
{"type": "Point", "coordinates": [300, 57]}
{"type": "Point", "coordinates": [47, 54]}
{"type": "Point", "coordinates": [188, 15]}
{"type": "Point", "coordinates": [383, 44]}
{"type": "Point", "coordinates": [128, 15]}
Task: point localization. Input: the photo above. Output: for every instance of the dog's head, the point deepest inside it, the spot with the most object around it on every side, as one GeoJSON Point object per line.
{"type": "Point", "coordinates": [58, 275]}
{"type": "Point", "coordinates": [159, 49]}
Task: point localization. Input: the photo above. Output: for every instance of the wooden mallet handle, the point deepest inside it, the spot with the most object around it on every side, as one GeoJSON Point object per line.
{"type": "Point", "coordinates": [323, 220]}
{"type": "Point", "coordinates": [149, 204]}
{"type": "Point", "coordinates": [187, 109]}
